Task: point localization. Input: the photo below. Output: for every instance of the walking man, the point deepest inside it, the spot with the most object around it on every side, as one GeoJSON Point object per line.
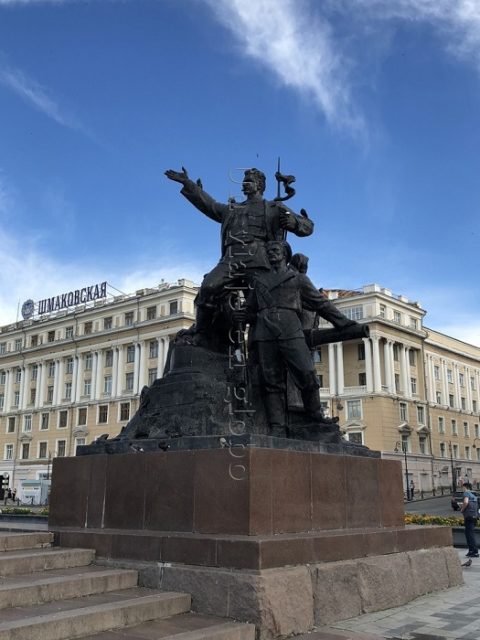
{"type": "Point", "coordinates": [469, 509]}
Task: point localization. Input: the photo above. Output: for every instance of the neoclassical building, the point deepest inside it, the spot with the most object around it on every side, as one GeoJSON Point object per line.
{"type": "Point", "coordinates": [75, 372]}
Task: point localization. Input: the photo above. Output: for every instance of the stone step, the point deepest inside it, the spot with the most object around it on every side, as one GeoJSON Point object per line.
{"type": "Point", "coordinates": [16, 541]}
{"type": "Point", "coordinates": [49, 586]}
{"type": "Point", "coordinates": [80, 617]}
{"type": "Point", "coordinates": [30, 561]}
{"type": "Point", "coordinates": [189, 626]}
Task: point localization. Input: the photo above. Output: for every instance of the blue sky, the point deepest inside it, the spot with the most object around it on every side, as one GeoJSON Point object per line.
{"type": "Point", "coordinates": [374, 105]}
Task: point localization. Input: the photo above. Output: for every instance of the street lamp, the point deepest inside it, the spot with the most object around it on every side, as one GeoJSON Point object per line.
{"type": "Point", "coordinates": [403, 446]}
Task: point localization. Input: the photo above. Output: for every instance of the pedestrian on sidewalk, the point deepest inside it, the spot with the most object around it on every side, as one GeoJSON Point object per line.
{"type": "Point", "coordinates": [469, 508]}
{"type": "Point", "coordinates": [412, 489]}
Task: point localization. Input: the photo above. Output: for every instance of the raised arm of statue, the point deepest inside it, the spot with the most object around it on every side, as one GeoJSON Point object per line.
{"type": "Point", "coordinates": [195, 194]}
{"type": "Point", "coordinates": [178, 176]}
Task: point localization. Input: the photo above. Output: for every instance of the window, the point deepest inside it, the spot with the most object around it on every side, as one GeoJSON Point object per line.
{"type": "Point", "coordinates": [439, 397]}
{"type": "Point", "coordinates": [362, 379]}
{"type": "Point", "coordinates": [397, 317]}
{"type": "Point", "coordinates": [107, 323]}
{"type": "Point", "coordinates": [42, 449]}
{"type": "Point", "coordinates": [129, 318]}
{"type": "Point", "coordinates": [395, 352]}
{"type": "Point", "coordinates": [25, 450]}
{"type": "Point", "coordinates": [109, 358]}
{"type": "Point", "coordinates": [472, 383]}
{"type": "Point", "coordinates": [51, 369]}
{"type": "Point", "coordinates": [61, 448]}
{"type": "Point", "coordinates": [62, 419]}
{"type": "Point", "coordinates": [129, 381]}
{"type": "Point", "coordinates": [354, 409]}
{"type": "Point", "coordinates": [474, 406]}
{"type": "Point", "coordinates": [107, 385]}
{"type": "Point", "coordinates": [82, 416]}
{"type": "Point", "coordinates": [450, 399]}
{"type": "Point", "coordinates": [422, 444]}
{"type": "Point", "coordinates": [455, 450]}
{"type": "Point", "coordinates": [412, 357]}
{"type": "Point", "coordinates": [413, 385]}
{"type": "Point", "coordinates": [152, 376]}
{"type": "Point", "coordinates": [2, 401]}
{"type": "Point", "coordinates": [478, 454]}
{"type": "Point", "coordinates": [34, 371]}
{"type": "Point", "coordinates": [355, 436]}
{"type": "Point", "coordinates": [151, 313]}
{"type": "Point", "coordinates": [33, 395]}
{"type": "Point", "coordinates": [461, 379]}
{"type": "Point", "coordinates": [16, 398]}
{"type": "Point", "coordinates": [361, 351]}
{"type": "Point", "coordinates": [88, 362]}
{"type": "Point", "coordinates": [87, 387]}
{"type": "Point", "coordinates": [449, 375]}
{"type": "Point", "coordinates": [79, 442]}
{"type": "Point", "coordinates": [3, 348]}
{"type": "Point", "coordinates": [442, 450]}
{"type": "Point", "coordinates": [8, 452]}
{"type": "Point", "coordinates": [405, 442]}
{"type": "Point", "coordinates": [68, 333]}
{"type": "Point", "coordinates": [18, 344]}
{"type": "Point", "coordinates": [436, 372]}
{"type": "Point", "coordinates": [397, 382]}
{"type": "Point", "coordinates": [320, 380]}
{"type": "Point", "coordinates": [353, 313]}
{"type": "Point", "coordinates": [413, 323]}
{"type": "Point", "coordinates": [441, 424]}
{"type": "Point", "coordinates": [18, 375]}
{"type": "Point", "coordinates": [467, 453]}
{"type": "Point", "coordinates": [103, 413]}
{"type": "Point", "coordinates": [153, 349]}
{"type": "Point", "coordinates": [454, 428]}
{"type": "Point", "coordinates": [476, 430]}
{"type": "Point", "coordinates": [403, 411]}
{"type": "Point", "coordinates": [463, 403]}
{"type": "Point", "coordinates": [421, 415]}
{"type": "Point", "coordinates": [69, 368]}
{"type": "Point", "coordinates": [44, 421]}
{"type": "Point", "coordinates": [173, 307]}
{"type": "Point", "coordinates": [27, 422]}
{"type": "Point", "coordinates": [3, 377]}
{"type": "Point", "coordinates": [383, 311]}
{"type": "Point", "coordinates": [51, 336]}
{"type": "Point", "coordinates": [11, 424]}
{"type": "Point", "coordinates": [88, 328]}
{"type": "Point", "coordinates": [50, 394]}
{"type": "Point", "coordinates": [34, 340]}
{"type": "Point", "coordinates": [68, 391]}
{"type": "Point", "coordinates": [124, 411]}
{"type": "Point", "coordinates": [466, 430]}
{"type": "Point", "coordinates": [131, 353]}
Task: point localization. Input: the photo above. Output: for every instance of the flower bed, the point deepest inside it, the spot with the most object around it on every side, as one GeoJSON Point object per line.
{"type": "Point", "coordinates": [423, 518]}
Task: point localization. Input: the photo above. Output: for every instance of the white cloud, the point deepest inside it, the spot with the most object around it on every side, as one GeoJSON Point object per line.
{"type": "Point", "coordinates": [296, 47]}
{"type": "Point", "coordinates": [37, 96]}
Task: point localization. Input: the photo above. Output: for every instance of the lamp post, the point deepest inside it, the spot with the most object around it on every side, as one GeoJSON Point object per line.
{"type": "Point", "coordinates": [403, 446]}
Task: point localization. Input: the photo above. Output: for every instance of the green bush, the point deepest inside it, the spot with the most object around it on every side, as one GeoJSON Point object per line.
{"type": "Point", "coordinates": [16, 510]}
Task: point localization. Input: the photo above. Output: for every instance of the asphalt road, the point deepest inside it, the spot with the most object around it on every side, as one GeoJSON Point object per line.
{"type": "Point", "coordinates": [431, 506]}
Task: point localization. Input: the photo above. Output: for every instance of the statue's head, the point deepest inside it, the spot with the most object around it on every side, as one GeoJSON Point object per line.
{"type": "Point", "coordinates": [299, 262]}
{"type": "Point", "coordinates": [278, 251]}
{"type": "Point", "coordinates": [254, 181]}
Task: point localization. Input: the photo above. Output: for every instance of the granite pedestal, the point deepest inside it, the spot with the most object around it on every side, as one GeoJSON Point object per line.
{"type": "Point", "coordinates": [255, 533]}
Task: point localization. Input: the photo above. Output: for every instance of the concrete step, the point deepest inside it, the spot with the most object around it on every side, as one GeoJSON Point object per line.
{"type": "Point", "coordinates": [79, 617]}
{"type": "Point", "coordinates": [189, 626]}
{"type": "Point", "coordinates": [49, 586]}
{"type": "Point", "coordinates": [31, 561]}
{"type": "Point", "coordinates": [15, 541]}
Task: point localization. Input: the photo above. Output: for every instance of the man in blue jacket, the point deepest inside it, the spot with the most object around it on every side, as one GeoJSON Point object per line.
{"type": "Point", "coordinates": [469, 509]}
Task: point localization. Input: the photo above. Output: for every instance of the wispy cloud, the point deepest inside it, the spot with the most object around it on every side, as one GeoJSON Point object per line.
{"type": "Point", "coordinates": [297, 48]}
{"type": "Point", "coordinates": [37, 96]}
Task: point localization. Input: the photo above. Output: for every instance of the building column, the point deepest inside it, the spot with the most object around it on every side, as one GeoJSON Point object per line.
{"type": "Point", "coordinates": [388, 367]}
{"type": "Point", "coordinates": [142, 371]}
{"type": "Point", "coordinates": [331, 370]}
{"type": "Point", "coordinates": [377, 375]}
{"type": "Point", "coordinates": [166, 343]}
{"type": "Point", "coordinates": [445, 382]}
{"type": "Point", "coordinates": [407, 372]}
{"type": "Point", "coordinates": [75, 378]}
{"type": "Point", "coordinates": [340, 369]}
{"type": "Point", "coordinates": [120, 371]}
{"type": "Point", "coordinates": [79, 377]}
{"type": "Point", "coordinates": [456, 386]}
{"type": "Point", "coordinates": [159, 358]}
{"type": "Point", "coordinates": [38, 393]}
{"type": "Point", "coordinates": [98, 378]}
{"type": "Point", "coordinates": [468, 373]}
{"type": "Point", "coordinates": [24, 388]}
{"type": "Point", "coordinates": [59, 381]}
{"type": "Point", "coordinates": [368, 364]}
{"type": "Point", "coordinates": [403, 370]}
{"type": "Point", "coordinates": [115, 372]}
{"type": "Point", "coordinates": [433, 382]}
{"type": "Point", "coordinates": [8, 389]}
